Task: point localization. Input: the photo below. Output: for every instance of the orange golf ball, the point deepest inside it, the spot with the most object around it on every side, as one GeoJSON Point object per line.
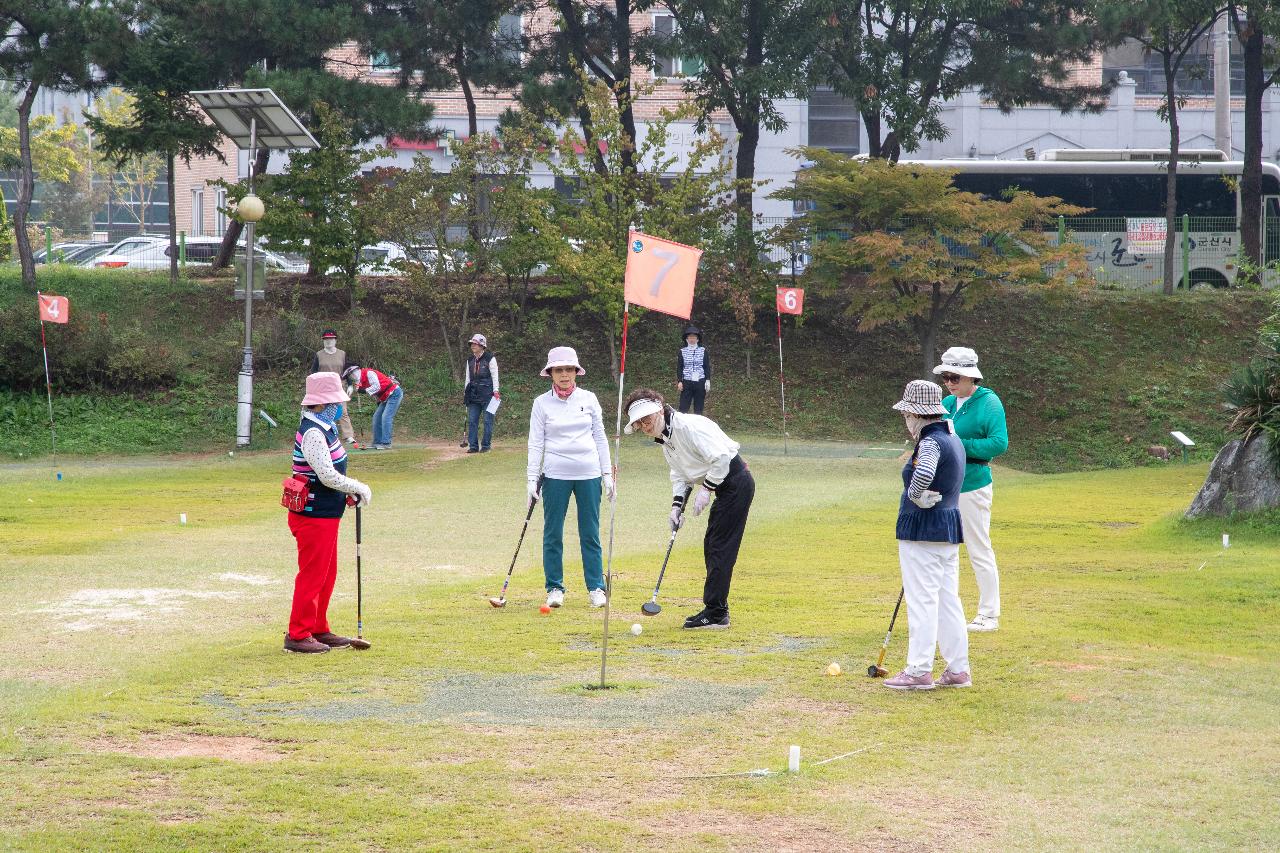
{"type": "Point", "coordinates": [544, 610]}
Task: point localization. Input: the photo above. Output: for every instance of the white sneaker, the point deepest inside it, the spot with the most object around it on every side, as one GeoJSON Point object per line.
{"type": "Point", "coordinates": [555, 598]}
{"type": "Point", "coordinates": [596, 598]}
{"type": "Point", "coordinates": [984, 623]}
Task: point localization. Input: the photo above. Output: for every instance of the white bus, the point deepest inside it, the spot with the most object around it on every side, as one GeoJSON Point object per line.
{"type": "Point", "coordinates": [1124, 190]}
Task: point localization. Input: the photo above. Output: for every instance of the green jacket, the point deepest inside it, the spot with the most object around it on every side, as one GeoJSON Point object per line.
{"type": "Point", "coordinates": [981, 428]}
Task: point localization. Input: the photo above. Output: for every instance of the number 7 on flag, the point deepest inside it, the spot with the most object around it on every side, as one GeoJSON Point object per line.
{"type": "Point", "coordinates": [660, 274]}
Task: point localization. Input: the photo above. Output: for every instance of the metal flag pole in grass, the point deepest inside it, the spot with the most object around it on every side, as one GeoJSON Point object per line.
{"type": "Point", "coordinates": [52, 309]}
{"type": "Point", "coordinates": [790, 301]}
{"type": "Point", "coordinates": [660, 275]}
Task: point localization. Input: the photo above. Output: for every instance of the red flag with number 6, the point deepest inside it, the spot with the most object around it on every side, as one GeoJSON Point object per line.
{"type": "Point", "coordinates": [53, 309]}
{"type": "Point", "coordinates": [790, 300]}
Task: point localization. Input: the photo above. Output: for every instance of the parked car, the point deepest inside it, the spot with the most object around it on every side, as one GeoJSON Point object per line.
{"type": "Point", "coordinates": [87, 252]}
{"type": "Point", "coordinates": [60, 251]}
{"type": "Point", "coordinates": [130, 252]}
{"type": "Point", "coordinates": [154, 253]}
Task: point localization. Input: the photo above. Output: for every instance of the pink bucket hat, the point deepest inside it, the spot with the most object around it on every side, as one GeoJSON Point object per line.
{"type": "Point", "coordinates": [480, 339]}
{"type": "Point", "coordinates": [324, 388]}
{"type": "Point", "coordinates": [562, 357]}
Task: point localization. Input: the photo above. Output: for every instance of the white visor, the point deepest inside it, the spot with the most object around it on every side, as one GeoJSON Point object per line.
{"type": "Point", "coordinates": [640, 409]}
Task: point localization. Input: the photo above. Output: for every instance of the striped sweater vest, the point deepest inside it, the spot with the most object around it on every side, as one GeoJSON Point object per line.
{"type": "Point", "coordinates": [323, 502]}
{"type": "Point", "coordinates": [693, 369]}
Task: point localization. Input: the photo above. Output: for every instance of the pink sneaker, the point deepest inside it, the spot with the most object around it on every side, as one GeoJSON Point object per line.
{"type": "Point", "coordinates": [905, 681]}
{"type": "Point", "coordinates": [954, 679]}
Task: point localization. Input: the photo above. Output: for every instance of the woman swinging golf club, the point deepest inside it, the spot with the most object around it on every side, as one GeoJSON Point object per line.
{"type": "Point", "coordinates": [319, 456]}
{"type": "Point", "coordinates": [569, 455]}
{"type": "Point", "coordinates": [929, 537]}
{"type": "Point", "coordinates": [703, 458]}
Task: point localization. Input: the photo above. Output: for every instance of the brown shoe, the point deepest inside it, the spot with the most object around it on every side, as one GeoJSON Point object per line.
{"type": "Point", "coordinates": [332, 640]}
{"type": "Point", "coordinates": [309, 646]}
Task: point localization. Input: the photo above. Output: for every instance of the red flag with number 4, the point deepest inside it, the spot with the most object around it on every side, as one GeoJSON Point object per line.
{"type": "Point", "coordinates": [53, 309]}
{"type": "Point", "coordinates": [790, 300]}
{"type": "Point", "coordinates": [661, 274]}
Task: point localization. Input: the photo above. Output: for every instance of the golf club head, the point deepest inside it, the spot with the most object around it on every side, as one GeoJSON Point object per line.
{"type": "Point", "coordinates": [651, 608]}
{"type": "Point", "coordinates": [874, 671]}
{"type": "Point", "coordinates": [498, 602]}
{"type": "Point", "coordinates": [361, 644]}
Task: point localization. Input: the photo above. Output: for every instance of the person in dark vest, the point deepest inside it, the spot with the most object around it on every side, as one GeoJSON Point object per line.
{"type": "Point", "coordinates": [693, 371]}
{"type": "Point", "coordinates": [929, 534]}
{"type": "Point", "coordinates": [318, 455]}
{"type": "Point", "coordinates": [387, 391]}
{"type": "Point", "coordinates": [704, 462]}
{"type": "Point", "coordinates": [330, 359]}
{"type": "Point", "coordinates": [481, 389]}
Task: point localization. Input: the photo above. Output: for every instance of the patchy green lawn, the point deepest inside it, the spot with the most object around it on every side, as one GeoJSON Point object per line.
{"type": "Point", "coordinates": [1128, 701]}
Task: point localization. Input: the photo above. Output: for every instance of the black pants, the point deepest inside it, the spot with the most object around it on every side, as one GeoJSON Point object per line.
{"type": "Point", "coordinates": [695, 392]}
{"type": "Point", "coordinates": [724, 536]}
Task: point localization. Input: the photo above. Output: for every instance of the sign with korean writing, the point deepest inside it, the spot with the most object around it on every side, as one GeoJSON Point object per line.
{"type": "Point", "coordinates": [1146, 234]}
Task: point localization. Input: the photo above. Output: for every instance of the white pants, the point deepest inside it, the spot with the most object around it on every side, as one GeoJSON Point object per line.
{"type": "Point", "coordinates": [975, 521]}
{"type": "Point", "coordinates": [931, 585]}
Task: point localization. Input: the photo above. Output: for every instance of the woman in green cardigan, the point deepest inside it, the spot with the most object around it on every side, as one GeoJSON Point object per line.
{"type": "Point", "coordinates": [978, 416]}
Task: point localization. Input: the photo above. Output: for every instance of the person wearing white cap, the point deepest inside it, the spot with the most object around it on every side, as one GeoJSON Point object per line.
{"type": "Point", "coordinates": [978, 417]}
{"type": "Point", "coordinates": [569, 455]}
{"type": "Point", "coordinates": [704, 460]}
{"type": "Point", "coordinates": [481, 389]}
{"type": "Point", "coordinates": [320, 459]}
{"type": "Point", "coordinates": [929, 536]}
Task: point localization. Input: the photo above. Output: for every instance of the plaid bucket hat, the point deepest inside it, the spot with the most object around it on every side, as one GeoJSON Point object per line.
{"type": "Point", "coordinates": [921, 397]}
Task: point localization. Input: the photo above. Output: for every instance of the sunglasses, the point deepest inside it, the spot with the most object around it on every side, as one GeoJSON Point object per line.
{"type": "Point", "coordinates": [951, 377]}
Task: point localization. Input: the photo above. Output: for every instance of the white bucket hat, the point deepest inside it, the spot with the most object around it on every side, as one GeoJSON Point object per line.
{"type": "Point", "coordinates": [640, 409]}
{"type": "Point", "coordinates": [961, 361]}
{"type": "Point", "coordinates": [562, 357]}
{"type": "Point", "coordinates": [480, 339]}
{"type": "Point", "coordinates": [921, 398]}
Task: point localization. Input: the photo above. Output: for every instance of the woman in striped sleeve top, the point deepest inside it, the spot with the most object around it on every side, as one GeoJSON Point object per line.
{"type": "Point", "coordinates": [929, 536]}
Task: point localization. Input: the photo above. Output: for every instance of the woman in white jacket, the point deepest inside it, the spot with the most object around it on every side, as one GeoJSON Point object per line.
{"type": "Point", "coordinates": [569, 453]}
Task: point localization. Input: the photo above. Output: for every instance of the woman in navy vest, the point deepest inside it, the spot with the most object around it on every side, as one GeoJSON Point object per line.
{"type": "Point", "coordinates": [693, 371]}
{"type": "Point", "coordinates": [929, 536]}
{"type": "Point", "coordinates": [318, 455]}
{"type": "Point", "coordinates": [480, 390]}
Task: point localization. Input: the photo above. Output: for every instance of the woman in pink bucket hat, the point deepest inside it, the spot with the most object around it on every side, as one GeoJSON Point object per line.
{"type": "Point", "coordinates": [319, 456]}
{"type": "Point", "coordinates": [569, 455]}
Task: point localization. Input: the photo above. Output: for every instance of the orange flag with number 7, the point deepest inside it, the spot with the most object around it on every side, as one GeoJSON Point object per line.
{"type": "Point", "coordinates": [660, 274]}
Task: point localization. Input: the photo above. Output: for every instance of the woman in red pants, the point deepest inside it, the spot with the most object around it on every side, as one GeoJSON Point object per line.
{"type": "Point", "coordinates": [318, 454]}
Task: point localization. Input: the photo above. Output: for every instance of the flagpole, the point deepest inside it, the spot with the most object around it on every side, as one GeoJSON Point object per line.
{"type": "Point", "coordinates": [613, 504]}
{"type": "Point", "coordinates": [782, 382]}
{"type": "Point", "coordinates": [48, 389]}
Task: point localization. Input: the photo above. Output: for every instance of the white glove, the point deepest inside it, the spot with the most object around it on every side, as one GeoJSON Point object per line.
{"type": "Point", "coordinates": [701, 500]}
{"type": "Point", "coordinates": [679, 386]}
{"type": "Point", "coordinates": [364, 495]}
{"type": "Point", "coordinates": [610, 490]}
{"type": "Point", "coordinates": [676, 518]}
{"type": "Point", "coordinates": [708, 385]}
{"type": "Point", "coordinates": [533, 491]}
{"type": "Point", "coordinates": [927, 499]}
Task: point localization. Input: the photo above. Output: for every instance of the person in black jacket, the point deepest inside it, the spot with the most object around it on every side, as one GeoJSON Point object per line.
{"type": "Point", "coordinates": [693, 371]}
{"type": "Point", "coordinates": [481, 390]}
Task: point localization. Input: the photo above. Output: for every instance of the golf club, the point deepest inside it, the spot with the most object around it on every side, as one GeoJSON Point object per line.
{"type": "Point", "coordinates": [359, 642]}
{"type": "Point", "coordinates": [877, 669]}
{"type": "Point", "coordinates": [652, 607]}
{"type": "Point", "coordinates": [501, 600]}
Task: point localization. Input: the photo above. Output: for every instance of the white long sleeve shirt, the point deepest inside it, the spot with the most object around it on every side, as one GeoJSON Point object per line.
{"type": "Point", "coordinates": [697, 451]}
{"type": "Point", "coordinates": [566, 437]}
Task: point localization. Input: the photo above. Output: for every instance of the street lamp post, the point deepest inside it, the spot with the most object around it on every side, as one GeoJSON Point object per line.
{"type": "Point", "coordinates": [251, 118]}
{"type": "Point", "coordinates": [250, 210]}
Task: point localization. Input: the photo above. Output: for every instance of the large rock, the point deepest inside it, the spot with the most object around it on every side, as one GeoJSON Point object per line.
{"type": "Point", "coordinates": [1242, 478]}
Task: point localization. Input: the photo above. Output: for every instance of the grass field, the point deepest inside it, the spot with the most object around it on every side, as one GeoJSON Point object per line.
{"type": "Point", "coordinates": [1128, 701]}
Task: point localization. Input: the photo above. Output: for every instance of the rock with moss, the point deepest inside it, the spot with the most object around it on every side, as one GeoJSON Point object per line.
{"type": "Point", "coordinates": [1242, 478]}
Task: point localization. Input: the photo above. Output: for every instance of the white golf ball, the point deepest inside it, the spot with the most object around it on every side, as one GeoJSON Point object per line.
{"type": "Point", "coordinates": [636, 628]}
